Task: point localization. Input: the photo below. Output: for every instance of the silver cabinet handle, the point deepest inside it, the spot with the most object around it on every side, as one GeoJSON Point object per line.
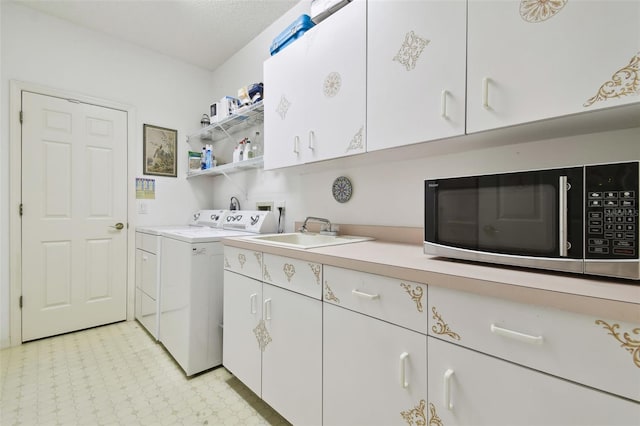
{"type": "Point", "coordinates": [266, 309]}
{"type": "Point", "coordinates": [563, 189]}
{"type": "Point", "coordinates": [443, 104]}
{"type": "Point", "coordinates": [296, 144]}
{"type": "Point", "coordinates": [312, 136]}
{"type": "Point", "coordinates": [516, 335]}
{"type": "Point", "coordinates": [365, 295]}
{"type": "Point", "coordinates": [485, 93]}
{"type": "Point", "coordinates": [403, 370]}
{"type": "Point", "coordinates": [447, 389]}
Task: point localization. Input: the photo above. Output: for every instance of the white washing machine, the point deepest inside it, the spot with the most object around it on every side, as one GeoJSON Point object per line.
{"type": "Point", "coordinates": [148, 261]}
{"type": "Point", "coordinates": [191, 283]}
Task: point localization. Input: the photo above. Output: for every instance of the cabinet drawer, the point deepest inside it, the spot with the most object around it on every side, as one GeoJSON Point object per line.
{"type": "Point", "coordinates": [148, 242]}
{"type": "Point", "coordinates": [400, 302]}
{"type": "Point", "coordinates": [242, 261]}
{"type": "Point", "coordinates": [470, 388]}
{"type": "Point", "coordinates": [594, 351]}
{"type": "Point", "coordinates": [296, 275]}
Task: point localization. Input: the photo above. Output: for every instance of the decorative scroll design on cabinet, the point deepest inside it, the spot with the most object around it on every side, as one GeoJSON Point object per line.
{"type": "Point", "coordinates": [226, 263]}
{"type": "Point", "coordinates": [442, 327]}
{"type": "Point", "coordinates": [262, 335]}
{"type": "Point", "coordinates": [630, 345]}
{"type": "Point", "coordinates": [625, 81]}
{"type": "Point", "coordinates": [416, 294]}
{"type": "Point", "coordinates": [332, 84]}
{"type": "Point", "coordinates": [316, 269]}
{"type": "Point", "coordinates": [410, 50]}
{"type": "Point", "coordinates": [258, 256]}
{"type": "Point", "coordinates": [434, 420]}
{"type": "Point", "coordinates": [283, 107]}
{"type": "Point", "coordinates": [289, 270]}
{"type": "Point", "coordinates": [358, 140]}
{"type": "Point", "coordinates": [415, 416]}
{"type": "Point", "coordinates": [540, 10]}
{"type": "Point", "coordinates": [265, 274]}
{"type": "Point", "coordinates": [329, 294]}
{"type": "Point", "coordinates": [242, 259]}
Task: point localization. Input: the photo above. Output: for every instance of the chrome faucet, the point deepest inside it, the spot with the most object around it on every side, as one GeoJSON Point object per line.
{"type": "Point", "coordinates": [303, 228]}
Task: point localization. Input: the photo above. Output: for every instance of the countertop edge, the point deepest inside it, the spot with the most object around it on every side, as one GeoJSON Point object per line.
{"type": "Point", "coordinates": [607, 299]}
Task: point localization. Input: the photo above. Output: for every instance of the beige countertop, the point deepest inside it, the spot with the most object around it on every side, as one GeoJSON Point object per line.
{"type": "Point", "coordinates": [607, 298]}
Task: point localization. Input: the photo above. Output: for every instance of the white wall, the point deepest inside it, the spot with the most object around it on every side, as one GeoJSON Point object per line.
{"type": "Point", "coordinates": [386, 191]}
{"type": "Point", "coordinates": [47, 51]}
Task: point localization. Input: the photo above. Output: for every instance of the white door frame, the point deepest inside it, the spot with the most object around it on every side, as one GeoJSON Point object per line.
{"type": "Point", "coordinates": [15, 189]}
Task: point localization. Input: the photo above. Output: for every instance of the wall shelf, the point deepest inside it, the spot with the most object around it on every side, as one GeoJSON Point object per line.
{"type": "Point", "coordinates": [225, 169]}
{"type": "Point", "coordinates": [245, 117]}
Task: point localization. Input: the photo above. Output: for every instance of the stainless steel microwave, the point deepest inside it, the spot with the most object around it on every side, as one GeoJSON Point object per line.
{"type": "Point", "coordinates": [580, 219]}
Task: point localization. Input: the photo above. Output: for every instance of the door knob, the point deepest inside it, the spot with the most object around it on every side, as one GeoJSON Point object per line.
{"type": "Point", "coordinates": [117, 226]}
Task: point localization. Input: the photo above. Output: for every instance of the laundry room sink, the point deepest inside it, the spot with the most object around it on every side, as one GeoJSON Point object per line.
{"type": "Point", "coordinates": [307, 240]}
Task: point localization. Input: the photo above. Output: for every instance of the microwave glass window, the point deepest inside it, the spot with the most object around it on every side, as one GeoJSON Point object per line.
{"type": "Point", "coordinates": [458, 213]}
{"type": "Point", "coordinates": [512, 216]}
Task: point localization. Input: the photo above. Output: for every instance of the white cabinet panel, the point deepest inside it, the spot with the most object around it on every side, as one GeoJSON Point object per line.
{"type": "Point", "coordinates": [375, 373]}
{"type": "Point", "coordinates": [577, 347]}
{"type": "Point", "coordinates": [399, 302]}
{"type": "Point", "coordinates": [293, 274]}
{"type": "Point", "coordinates": [241, 353]}
{"type": "Point", "coordinates": [470, 388]}
{"type": "Point", "coordinates": [292, 360]}
{"type": "Point", "coordinates": [316, 106]}
{"type": "Point", "coordinates": [416, 65]}
{"type": "Point", "coordinates": [530, 60]}
{"type": "Point", "coordinates": [244, 262]}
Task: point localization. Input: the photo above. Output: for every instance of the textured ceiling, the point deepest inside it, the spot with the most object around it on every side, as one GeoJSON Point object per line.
{"type": "Point", "coordinates": [201, 32]}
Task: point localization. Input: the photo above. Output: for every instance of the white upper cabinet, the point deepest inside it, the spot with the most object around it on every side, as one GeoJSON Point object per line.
{"type": "Point", "coordinates": [531, 60]}
{"type": "Point", "coordinates": [415, 71]}
{"type": "Point", "coordinates": [315, 107]}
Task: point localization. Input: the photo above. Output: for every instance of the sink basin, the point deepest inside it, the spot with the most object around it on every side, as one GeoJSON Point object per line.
{"type": "Point", "coordinates": [307, 240]}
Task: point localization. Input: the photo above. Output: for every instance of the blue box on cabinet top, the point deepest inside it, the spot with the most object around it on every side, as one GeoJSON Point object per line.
{"type": "Point", "coordinates": [291, 33]}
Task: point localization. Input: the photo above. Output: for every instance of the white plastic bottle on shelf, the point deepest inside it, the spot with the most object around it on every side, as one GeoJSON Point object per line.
{"type": "Point", "coordinates": [236, 154]}
{"type": "Point", "coordinates": [247, 149]}
{"type": "Point", "coordinates": [258, 147]}
{"type": "Point", "coordinates": [241, 155]}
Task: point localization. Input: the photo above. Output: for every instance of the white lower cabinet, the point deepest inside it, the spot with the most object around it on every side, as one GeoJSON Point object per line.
{"type": "Point", "coordinates": [376, 350]}
{"type": "Point", "coordinates": [375, 373]}
{"type": "Point", "coordinates": [292, 355]}
{"type": "Point", "coordinates": [242, 313]}
{"type": "Point", "coordinates": [273, 344]}
{"type": "Point", "coordinates": [470, 388]}
{"type": "Point", "coordinates": [147, 285]}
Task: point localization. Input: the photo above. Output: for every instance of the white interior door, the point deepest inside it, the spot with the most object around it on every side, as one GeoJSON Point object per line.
{"type": "Point", "coordinates": [74, 257]}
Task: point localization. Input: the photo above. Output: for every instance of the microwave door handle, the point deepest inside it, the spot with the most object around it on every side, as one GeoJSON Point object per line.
{"type": "Point", "coordinates": [563, 189]}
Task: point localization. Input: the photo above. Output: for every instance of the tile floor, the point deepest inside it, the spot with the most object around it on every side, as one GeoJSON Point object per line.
{"type": "Point", "coordinates": [117, 375]}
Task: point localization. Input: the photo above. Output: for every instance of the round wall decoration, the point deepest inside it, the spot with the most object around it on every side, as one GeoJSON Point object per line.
{"type": "Point", "coordinates": [342, 189]}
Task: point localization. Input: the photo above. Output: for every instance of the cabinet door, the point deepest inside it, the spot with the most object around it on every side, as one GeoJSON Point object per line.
{"type": "Point", "coordinates": [285, 106]}
{"type": "Point", "coordinates": [146, 310]}
{"type": "Point", "coordinates": [149, 273]}
{"type": "Point", "coordinates": [468, 387]}
{"type": "Point", "coordinates": [366, 359]}
{"type": "Point", "coordinates": [244, 331]}
{"type": "Point", "coordinates": [531, 60]}
{"type": "Point", "coordinates": [292, 358]}
{"type": "Point", "coordinates": [335, 85]}
{"type": "Point", "coordinates": [415, 71]}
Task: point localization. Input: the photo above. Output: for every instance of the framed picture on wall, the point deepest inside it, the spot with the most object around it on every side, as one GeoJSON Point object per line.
{"type": "Point", "coordinates": [159, 151]}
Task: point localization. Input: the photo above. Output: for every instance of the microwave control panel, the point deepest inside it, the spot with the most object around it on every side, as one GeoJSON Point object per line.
{"type": "Point", "coordinates": [611, 196]}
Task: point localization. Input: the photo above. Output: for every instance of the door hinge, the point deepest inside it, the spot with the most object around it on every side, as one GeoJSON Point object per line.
{"type": "Point", "coordinates": [20, 302]}
{"type": "Point", "coordinates": [21, 209]}
{"type": "Point", "coordinates": [21, 116]}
